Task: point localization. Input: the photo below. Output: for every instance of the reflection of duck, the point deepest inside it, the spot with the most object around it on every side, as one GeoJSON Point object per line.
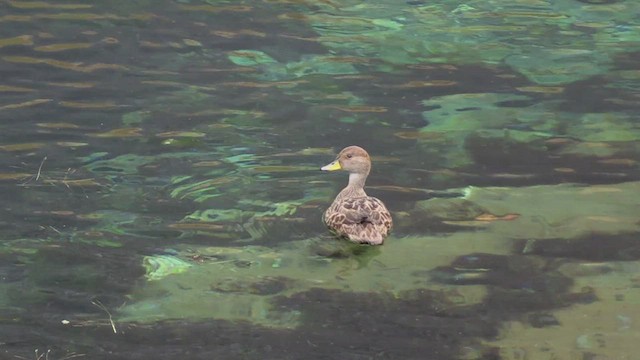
{"type": "Point", "coordinates": [354, 215]}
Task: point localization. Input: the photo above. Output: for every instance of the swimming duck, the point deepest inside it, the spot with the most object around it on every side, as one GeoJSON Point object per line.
{"type": "Point", "coordinates": [353, 214]}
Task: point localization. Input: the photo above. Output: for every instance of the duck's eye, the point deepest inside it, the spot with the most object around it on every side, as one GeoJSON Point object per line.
{"type": "Point", "coordinates": [349, 156]}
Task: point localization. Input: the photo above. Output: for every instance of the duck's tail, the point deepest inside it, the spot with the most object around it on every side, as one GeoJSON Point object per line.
{"type": "Point", "coordinates": [369, 233]}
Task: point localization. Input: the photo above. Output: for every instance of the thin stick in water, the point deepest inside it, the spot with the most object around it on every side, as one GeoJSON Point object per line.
{"type": "Point", "coordinates": [40, 168]}
{"type": "Point", "coordinates": [104, 308]}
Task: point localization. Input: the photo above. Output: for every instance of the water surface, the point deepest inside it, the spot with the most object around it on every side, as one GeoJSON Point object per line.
{"type": "Point", "coordinates": [162, 194]}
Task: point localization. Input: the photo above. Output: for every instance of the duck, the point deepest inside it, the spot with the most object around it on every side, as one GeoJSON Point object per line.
{"type": "Point", "coordinates": [354, 215]}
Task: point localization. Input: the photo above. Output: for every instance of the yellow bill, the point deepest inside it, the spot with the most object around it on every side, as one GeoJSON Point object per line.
{"type": "Point", "coordinates": [335, 165]}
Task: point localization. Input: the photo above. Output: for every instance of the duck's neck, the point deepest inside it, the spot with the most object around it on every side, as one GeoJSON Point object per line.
{"type": "Point", "coordinates": [355, 188]}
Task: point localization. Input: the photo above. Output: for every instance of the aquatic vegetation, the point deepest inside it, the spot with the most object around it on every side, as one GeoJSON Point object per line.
{"type": "Point", "coordinates": [250, 58]}
{"type": "Point", "coordinates": [62, 47]}
{"type": "Point", "coordinates": [25, 104]}
{"type": "Point", "coordinates": [135, 118]}
{"type": "Point", "coordinates": [89, 105]}
{"type": "Point", "coordinates": [14, 176]}
{"type": "Point", "coordinates": [123, 164]}
{"type": "Point", "coordinates": [46, 5]}
{"type": "Point", "coordinates": [120, 133]}
{"type": "Point", "coordinates": [231, 272]}
{"type": "Point", "coordinates": [553, 67]}
{"type": "Point", "coordinates": [217, 215]}
{"type": "Point", "coordinates": [7, 88]}
{"type": "Point", "coordinates": [18, 40]}
{"type": "Point", "coordinates": [160, 266]}
{"type": "Point", "coordinates": [181, 187]}
{"type": "Point", "coordinates": [22, 147]}
{"type": "Point", "coordinates": [456, 118]}
{"type": "Point", "coordinates": [64, 64]}
{"type": "Point", "coordinates": [609, 127]}
{"type": "Point", "coordinates": [468, 33]}
{"type": "Point", "coordinates": [469, 112]}
{"type": "Point", "coordinates": [203, 190]}
{"type": "Point", "coordinates": [59, 125]}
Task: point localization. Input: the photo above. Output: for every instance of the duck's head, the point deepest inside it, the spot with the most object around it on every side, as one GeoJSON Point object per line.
{"type": "Point", "coordinates": [353, 159]}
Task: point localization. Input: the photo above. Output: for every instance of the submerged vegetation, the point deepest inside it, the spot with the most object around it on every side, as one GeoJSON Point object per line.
{"type": "Point", "coordinates": [162, 195]}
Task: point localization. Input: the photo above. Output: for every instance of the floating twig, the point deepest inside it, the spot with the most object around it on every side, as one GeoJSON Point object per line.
{"type": "Point", "coordinates": [104, 308]}
{"type": "Point", "coordinates": [40, 168]}
{"type": "Point", "coordinates": [56, 230]}
{"type": "Point", "coordinates": [45, 355]}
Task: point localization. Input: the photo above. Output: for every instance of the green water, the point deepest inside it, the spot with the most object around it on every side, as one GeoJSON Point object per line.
{"type": "Point", "coordinates": [162, 197]}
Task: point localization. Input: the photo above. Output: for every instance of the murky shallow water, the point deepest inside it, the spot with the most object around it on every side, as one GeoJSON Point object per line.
{"type": "Point", "coordinates": [162, 199]}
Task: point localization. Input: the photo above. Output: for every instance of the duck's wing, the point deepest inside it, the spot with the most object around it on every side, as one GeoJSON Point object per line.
{"type": "Point", "coordinates": [361, 219]}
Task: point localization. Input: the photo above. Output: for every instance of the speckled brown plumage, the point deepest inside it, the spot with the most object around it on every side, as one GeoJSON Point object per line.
{"type": "Point", "coordinates": [353, 214]}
